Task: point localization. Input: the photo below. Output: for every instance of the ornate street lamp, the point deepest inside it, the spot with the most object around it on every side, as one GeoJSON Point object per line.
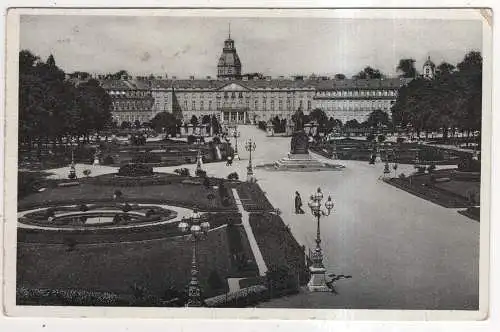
{"type": "Point", "coordinates": [198, 230]}
{"type": "Point", "coordinates": [250, 146]}
{"type": "Point", "coordinates": [235, 135]}
{"type": "Point", "coordinates": [317, 283]}
{"type": "Point", "coordinates": [199, 157]}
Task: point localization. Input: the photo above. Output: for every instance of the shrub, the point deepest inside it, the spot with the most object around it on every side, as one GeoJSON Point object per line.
{"type": "Point", "coordinates": [118, 193]}
{"type": "Point", "coordinates": [126, 207]}
{"type": "Point", "coordinates": [370, 137]}
{"type": "Point", "coordinates": [467, 164]}
{"type": "Point", "coordinates": [135, 170]}
{"type": "Point", "coordinates": [182, 171]}
{"type": "Point", "coordinates": [84, 208]}
{"type": "Point", "coordinates": [193, 139]}
{"type": "Point", "coordinates": [72, 176]}
{"type": "Point", "coordinates": [381, 138]}
{"type": "Point", "coordinates": [431, 168]}
{"type": "Point", "coordinates": [402, 176]}
{"type": "Point", "coordinates": [201, 173]}
{"type": "Point", "coordinates": [147, 158]}
{"type": "Point", "coordinates": [108, 160]}
{"type": "Point", "coordinates": [233, 176]}
{"type": "Point", "coordinates": [50, 212]}
{"type": "Point", "coordinates": [420, 169]}
{"type": "Point", "coordinates": [87, 172]}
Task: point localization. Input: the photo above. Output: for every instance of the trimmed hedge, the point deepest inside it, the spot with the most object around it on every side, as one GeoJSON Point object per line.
{"type": "Point", "coordinates": [133, 181]}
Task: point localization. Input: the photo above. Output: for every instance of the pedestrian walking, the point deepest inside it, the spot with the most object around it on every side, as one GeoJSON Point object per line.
{"type": "Point", "coordinates": [298, 204]}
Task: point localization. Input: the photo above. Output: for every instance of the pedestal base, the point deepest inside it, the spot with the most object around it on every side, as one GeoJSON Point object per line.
{"type": "Point", "coordinates": [251, 179]}
{"type": "Point", "coordinates": [317, 283]}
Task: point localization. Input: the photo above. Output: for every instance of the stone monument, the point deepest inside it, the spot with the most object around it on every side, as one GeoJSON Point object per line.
{"type": "Point", "coordinates": [299, 158]}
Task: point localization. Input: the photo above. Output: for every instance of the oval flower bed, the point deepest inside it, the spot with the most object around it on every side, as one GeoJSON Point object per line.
{"type": "Point", "coordinates": [97, 215]}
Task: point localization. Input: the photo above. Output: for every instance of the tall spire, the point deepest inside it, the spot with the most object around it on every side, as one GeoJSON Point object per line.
{"type": "Point", "coordinates": [229, 30]}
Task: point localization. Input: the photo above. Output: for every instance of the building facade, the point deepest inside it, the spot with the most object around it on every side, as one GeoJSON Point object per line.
{"type": "Point", "coordinates": [236, 99]}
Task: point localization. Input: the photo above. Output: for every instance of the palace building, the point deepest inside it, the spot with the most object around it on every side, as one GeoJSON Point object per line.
{"type": "Point", "coordinates": [236, 98]}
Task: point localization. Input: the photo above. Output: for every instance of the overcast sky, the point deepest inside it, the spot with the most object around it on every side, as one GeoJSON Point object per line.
{"type": "Point", "coordinates": [185, 46]}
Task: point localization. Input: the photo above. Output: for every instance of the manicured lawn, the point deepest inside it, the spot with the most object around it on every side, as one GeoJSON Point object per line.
{"type": "Point", "coordinates": [436, 194]}
{"type": "Point", "coordinates": [155, 265]}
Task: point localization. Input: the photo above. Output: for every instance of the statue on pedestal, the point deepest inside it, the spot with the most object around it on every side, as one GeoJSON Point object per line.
{"type": "Point", "coordinates": [300, 142]}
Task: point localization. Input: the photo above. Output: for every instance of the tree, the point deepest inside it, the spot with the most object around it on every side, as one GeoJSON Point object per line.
{"type": "Point", "coordinates": [472, 62]}
{"type": "Point", "coordinates": [352, 123]}
{"type": "Point", "coordinates": [137, 124]}
{"type": "Point", "coordinates": [194, 120]}
{"type": "Point", "coordinates": [407, 68]}
{"type": "Point", "coordinates": [445, 68]}
{"type": "Point", "coordinates": [378, 118]}
{"type": "Point", "coordinates": [451, 101]}
{"type": "Point", "coordinates": [125, 125]}
{"type": "Point", "coordinates": [205, 119]}
{"type": "Point", "coordinates": [340, 76]}
{"type": "Point", "coordinates": [369, 73]}
{"type": "Point", "coordinates": [215, 125]}
{"type": "Point", "coordinates": [320, 117]}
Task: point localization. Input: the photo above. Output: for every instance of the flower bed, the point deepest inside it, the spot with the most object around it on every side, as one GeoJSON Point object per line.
{"type": "Point", "coordinates": [277, 244]}
{"type": "Point", "coordinates": [122, 214]}
{"type": "Point", "coordinates": [430, 192]}
{"type": "Point", "coordinates": [112, 235]}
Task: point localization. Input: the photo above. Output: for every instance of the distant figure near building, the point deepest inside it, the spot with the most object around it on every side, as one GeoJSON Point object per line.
{"type": "Point", "coordinates": [298, 204]}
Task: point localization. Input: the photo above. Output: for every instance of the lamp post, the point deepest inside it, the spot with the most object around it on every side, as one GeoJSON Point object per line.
{"type": "Point", "coordinates": [317, 283]}
{"type": "Point", "coordinates": [250, 146]}
{"type": "Point", "coordinates": [198, 231]}
{"type": "Point", "coordinates": [199, 157]}
{"type": "Point", "coordinates": [235, 135]}
{"type": "Point", "coordinates": [72, 171]}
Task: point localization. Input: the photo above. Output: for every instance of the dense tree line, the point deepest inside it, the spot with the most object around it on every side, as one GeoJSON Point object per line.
{"type": "Point", "coordinates": [449, 102]}
{"type": "Point", "coordinates": [52, 108]}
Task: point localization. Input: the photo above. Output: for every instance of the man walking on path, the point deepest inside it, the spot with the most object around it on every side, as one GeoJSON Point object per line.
{"type": "Point", "coordinates": [298, 204]}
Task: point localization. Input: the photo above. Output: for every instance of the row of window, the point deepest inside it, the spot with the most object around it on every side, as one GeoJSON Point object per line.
{"type": "Point", "coordinates": [130, 93]}
{"type": "Point", "coordinates": [356, 93]}
{"type": "Point", "coordinates": [247, 103]}
{"type": "Point", "coordinates": [131, 106]}
{"type": "Point", "coordinates": [238, 94]}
